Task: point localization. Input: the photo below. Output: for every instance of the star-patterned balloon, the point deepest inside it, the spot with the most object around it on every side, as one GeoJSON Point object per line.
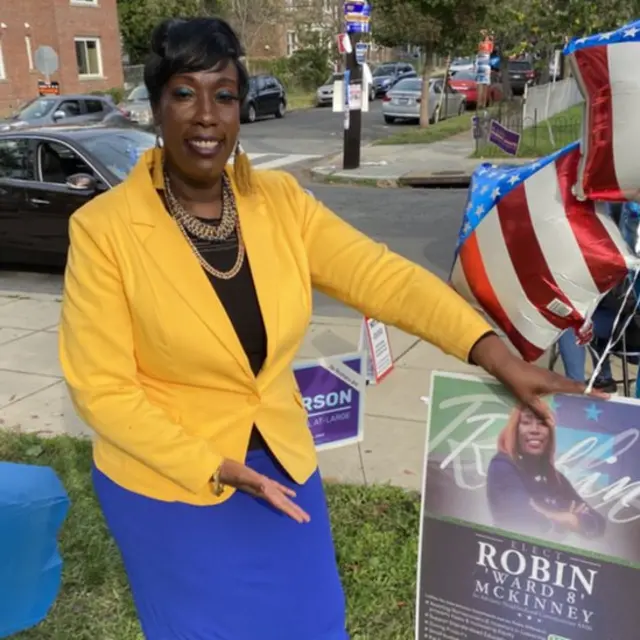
{"type": "Point", "coordinates": [531, 255]}
{"type": "Point", "coordinates": [607, 70]}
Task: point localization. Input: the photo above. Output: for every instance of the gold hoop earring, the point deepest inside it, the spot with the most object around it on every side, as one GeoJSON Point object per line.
{"type": "Point", "coordinates": [242, 170]}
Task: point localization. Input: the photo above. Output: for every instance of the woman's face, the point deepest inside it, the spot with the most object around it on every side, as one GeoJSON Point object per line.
{"type": "Point", "coordinates": [533, 435]}
{"type": "Point", "coordinates": [199, 118]}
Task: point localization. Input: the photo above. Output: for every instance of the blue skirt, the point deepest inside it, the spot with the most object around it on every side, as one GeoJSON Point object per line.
{"type": "Point", "coordinates": [235, 571]}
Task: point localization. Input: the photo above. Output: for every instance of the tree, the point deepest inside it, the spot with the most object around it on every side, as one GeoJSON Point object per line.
{"type": "Point", "coordinates": [253, 18]}
{"type": "Point", "coordinates": [139, 17]}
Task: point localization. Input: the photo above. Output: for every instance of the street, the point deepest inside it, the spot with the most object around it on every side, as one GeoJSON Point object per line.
{"type": "Point", "coordinates": [306, 135]}
{"type": "Point", "coordinates": [421, 225]}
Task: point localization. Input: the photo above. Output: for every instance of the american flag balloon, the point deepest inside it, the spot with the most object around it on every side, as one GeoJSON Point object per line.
{"type": "Point", "coordinates": [531, 255]}
{"type": "Point", "coordinates": [607, 69]}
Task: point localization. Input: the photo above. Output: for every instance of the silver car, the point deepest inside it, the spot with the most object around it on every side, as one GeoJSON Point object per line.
{"type": "Point", "coordinates": [138, 107]}
{"type": "Point", "coordinates": [403, 101]}
{"type": "Point", "coordinates": [324, 94]}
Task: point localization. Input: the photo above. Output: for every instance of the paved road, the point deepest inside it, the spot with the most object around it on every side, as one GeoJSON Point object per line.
{"type": "Point", "coordinates": [419, 224]}
{"type": "Point", "coordinates": [306, 135]}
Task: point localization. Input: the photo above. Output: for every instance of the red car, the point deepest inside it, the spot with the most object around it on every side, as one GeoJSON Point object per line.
{"type": "Point", "coordinates": [465, 82]}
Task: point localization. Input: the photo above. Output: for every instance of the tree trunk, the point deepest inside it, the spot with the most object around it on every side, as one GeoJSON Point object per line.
{"type": "Point", "coordinates": [424, 99]}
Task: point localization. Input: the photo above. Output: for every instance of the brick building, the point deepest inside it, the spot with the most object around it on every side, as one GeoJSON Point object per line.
{"type": "Point", "coordinates": [84, 33]}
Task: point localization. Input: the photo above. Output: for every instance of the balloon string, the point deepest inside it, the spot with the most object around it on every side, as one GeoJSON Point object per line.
{"type": "Point", "coordinates": [613, 340]}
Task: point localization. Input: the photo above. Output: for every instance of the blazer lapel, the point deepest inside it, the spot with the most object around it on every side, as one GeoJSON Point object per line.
{"type": "Point", "coordinates": [175, 258]}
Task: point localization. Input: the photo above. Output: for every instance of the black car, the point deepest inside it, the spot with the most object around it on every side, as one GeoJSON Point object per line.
{"type": "Point", "coordinates": [521, 74]}
{"type": "Point", "coordinates": [46, 174]}
{"type": "Point", "coordinates": [390, 73]}
{"type": "Point", "coordinates": [266, 97]}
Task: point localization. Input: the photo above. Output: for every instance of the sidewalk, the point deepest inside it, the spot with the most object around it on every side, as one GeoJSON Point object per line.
{"type": "Point", "coordinates": [33, 395]}
{"type": "Point", "coordinates": [443, 163]}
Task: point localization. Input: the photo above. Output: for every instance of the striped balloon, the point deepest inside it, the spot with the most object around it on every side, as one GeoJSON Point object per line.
{"type": "Point", "coordinates": [531, 255]}
{"type": "Point", "coordinates": [607, 69]}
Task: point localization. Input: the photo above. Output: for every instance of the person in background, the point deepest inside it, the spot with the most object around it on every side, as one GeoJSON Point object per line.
{"type": "Point", "coordinates": [188, 294]}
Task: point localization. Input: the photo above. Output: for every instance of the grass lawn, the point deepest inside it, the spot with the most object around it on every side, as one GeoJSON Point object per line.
{"type": "Point", "coordinates": [536, 142]}
{"type": "Point", "coordinates": [375, 530]}
{"type": "Point", "coordinates": [300, 99]}
{"type": "Point", "coordinates": [433, 133]}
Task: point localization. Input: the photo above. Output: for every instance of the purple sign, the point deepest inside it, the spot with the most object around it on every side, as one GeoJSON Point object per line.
{"type": "Point", "coordinates": [504, 138]}
{"type": "Point", "coordinates": [333, 393]}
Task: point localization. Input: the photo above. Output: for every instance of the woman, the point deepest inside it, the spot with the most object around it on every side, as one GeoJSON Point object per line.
{"type": "Point", "coordinates": [525, 490]}
{"type": "Point", "coordinates": [187, 296]}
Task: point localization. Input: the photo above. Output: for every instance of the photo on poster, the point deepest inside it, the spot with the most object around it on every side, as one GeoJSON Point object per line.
{"type": "Point", "coordinates": [528, 532]}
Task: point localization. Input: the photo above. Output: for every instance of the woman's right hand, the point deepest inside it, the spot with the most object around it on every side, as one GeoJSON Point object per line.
{"type": "Point", "coordinates": [237, 475]}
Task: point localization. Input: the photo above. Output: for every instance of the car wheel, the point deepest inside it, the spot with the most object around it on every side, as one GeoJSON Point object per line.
{"type": "Point", "coordinates": [389, 119]}
{"type": "Point", "coordinates": [372, 95]}
{"type": "Point", "coordinates": [462, 108]}
{"type": "Point", "coordinates": [282, 109]}
{"type": "Point", "coordinates": [251, 113]}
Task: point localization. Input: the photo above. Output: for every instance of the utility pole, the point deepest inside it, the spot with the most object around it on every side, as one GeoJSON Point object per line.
{"type": "Point", "coordinates": [357, 20]}
{"type": "Point", "coordinates": [353, 121]}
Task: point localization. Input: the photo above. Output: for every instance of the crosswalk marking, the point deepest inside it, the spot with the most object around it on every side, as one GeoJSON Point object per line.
{"type": "Point", "coordinates": [277, 160]}
{"type": "Point", "coordinates": [284, 161]}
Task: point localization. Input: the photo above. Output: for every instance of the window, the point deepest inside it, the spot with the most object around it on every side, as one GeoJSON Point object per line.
{"type": "Point", "coordinates": [85, 2]}
{"type": "Point", "coordinates": [58, 163]}
{"type": "Point", "coordinates": [93, 106]}
{"type": "Point", "coordinates": [292, 42]}
{"type": "Point", "coordinates": [88, 57]}
{"type": "Point", "coordinates": [15, 160]}
{"type": "Point", "coordinates": [70, 108]}
{"type": "Point", "coordinates": [27, 44]}
{"type": "Point", "coordinates": [2, 71]}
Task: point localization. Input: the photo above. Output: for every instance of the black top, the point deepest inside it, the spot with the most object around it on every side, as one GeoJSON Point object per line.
{"type": "Point", "coordinates": [240, 300]}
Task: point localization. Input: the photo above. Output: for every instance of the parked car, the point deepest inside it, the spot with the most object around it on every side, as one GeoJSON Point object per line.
{"type": "Point", "coordinates": [465, 82]}
{"type": "Point", "coordinates": [324, 94]}
{"type": "Point", "coordinates": [266, 97]}
{"type": "Point", "coordinates": [522, 74]}
{"type": "Point", "coordinates": [403, 101]}
{"type": "Point", "coordinates": [138, 107]}
{"type": "Point", "coordinates": [386, 74]}
{"type": "Point", "coordinates": [64, 109]}
{"type": "Point", "coordinates": [467, 63]}
{"type": "Point", "coordinates": [46, 174]}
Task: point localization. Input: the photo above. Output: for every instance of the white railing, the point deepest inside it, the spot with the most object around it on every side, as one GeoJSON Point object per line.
{"type": "Point", "coordinates": [546, 100]}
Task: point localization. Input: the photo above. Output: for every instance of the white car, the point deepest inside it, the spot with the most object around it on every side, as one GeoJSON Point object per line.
{"type": "Point", "coordinates": [462, 64]}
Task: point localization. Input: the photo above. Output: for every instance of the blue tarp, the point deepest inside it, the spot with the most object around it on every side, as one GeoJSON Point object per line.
{"type": "Point", "coordinates": [33, 506]}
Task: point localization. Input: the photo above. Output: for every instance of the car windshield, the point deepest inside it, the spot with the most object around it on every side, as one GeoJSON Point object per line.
{"type": "Point", "coordinates": [333, 78]}
{"type": "Point", "coordinates": [37, 108]}
{"type": "Point", "coordinates": [464, 75]}
{"type": "Point", "coordinates": [410, 84]}
{"type": "Point", "coordinates": [119, 151]}
{"type": "Point", "coordinates": [139, 93]}
{"type": "Point", "coordinates": [519, 65]}
{"type": "Point", "coordinates": [383, 71]}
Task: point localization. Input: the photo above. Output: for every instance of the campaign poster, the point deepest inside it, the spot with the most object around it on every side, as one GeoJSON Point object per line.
{"type": "Point", "coordinates": [333, 391]}
{"type": "Point", "coordinates": [527, 532]}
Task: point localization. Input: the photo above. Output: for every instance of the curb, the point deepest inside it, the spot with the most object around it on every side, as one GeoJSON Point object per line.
{"type": "Point", "coordinates": [433, 180]}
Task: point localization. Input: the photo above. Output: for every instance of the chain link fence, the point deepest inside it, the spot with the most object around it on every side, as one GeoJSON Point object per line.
{"type": "Point", "coordinates": [504, 129]}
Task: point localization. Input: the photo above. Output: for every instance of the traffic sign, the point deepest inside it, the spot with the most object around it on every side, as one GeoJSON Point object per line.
{"type": "Point", "coordinates": [46, 60]}
{"type": "Point", "coordinates": [361, 52]}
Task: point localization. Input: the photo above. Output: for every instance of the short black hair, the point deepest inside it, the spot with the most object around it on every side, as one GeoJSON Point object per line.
{"type": "Point", "coordinates": [186, 45]}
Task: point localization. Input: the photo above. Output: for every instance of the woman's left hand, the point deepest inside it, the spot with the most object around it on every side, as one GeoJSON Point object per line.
{"type": "Point", "coordinates": [528, 382]}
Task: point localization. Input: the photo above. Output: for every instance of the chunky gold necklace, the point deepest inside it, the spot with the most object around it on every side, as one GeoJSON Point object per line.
{"type": "Point", "coordinates": [179, 214]}
{"type": "Point", "coordinates": [197, 228]}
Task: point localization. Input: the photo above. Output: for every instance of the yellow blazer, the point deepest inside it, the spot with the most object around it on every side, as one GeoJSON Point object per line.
{"type": "Point", "coordinates": [152, 362]}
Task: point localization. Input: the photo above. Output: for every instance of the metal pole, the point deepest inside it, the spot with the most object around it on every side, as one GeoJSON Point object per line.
{"type": "Point", "coordinates": [353, 133]}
